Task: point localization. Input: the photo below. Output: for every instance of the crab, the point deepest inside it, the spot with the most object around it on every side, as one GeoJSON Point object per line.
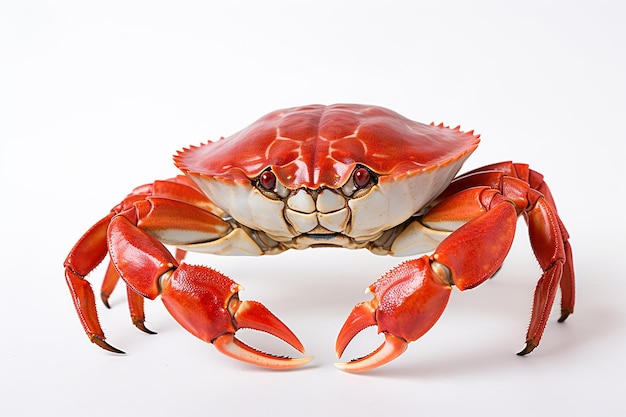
{"type": "Point", "coordinates": [346, 175]}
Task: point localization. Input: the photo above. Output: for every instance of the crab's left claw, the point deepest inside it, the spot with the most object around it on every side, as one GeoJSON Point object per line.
{"type": "Point", "coordinates": [254, 315]}
{"type": "Point", "coordinates": [207, 304]}
{"type": "Point", "coordinates": [407, 302]}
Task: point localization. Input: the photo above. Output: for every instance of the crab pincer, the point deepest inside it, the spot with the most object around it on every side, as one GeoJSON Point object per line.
{"type": "Point", "coordinates": [207, 304]}
{"type": "Point", "coordinates": [408, 300]}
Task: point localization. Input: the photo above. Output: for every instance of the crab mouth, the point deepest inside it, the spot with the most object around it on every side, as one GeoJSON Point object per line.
{"type": "Point", "coordinates": [323, 236]}
{"type": "Point", "coordinates": [321, 240]}
{"type": "Point", "coordinates": [326, 240]}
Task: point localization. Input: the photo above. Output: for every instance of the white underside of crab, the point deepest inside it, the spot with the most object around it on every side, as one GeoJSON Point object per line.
{"type": "Point", "coordinates": [326, 217]}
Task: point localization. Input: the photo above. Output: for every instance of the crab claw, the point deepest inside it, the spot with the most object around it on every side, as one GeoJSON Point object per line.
{"type": "Point", "coordinates": [362, 316]}
{"type": "Point", "coordinates": [254, 315]}
{"type": "Point", "coordinates": [408, 301]}
{"type": "Point", "coordinates": [207, 304]}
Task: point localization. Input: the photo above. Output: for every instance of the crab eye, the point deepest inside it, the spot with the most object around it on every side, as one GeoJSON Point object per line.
{"type": "Point", "coordinates": [361, 177]}
{"type": "Point", "coordinates": [360, 182]}
{"type": "Point", "coordinates": [267, 180]}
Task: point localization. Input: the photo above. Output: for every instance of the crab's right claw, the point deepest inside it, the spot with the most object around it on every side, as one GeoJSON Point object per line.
{"type": "Point", "coordinates": [407, 302]}
{"type": "Point", "coordinates": [207, 304]}
{"type": "Point", "coordinates": [362, 316]}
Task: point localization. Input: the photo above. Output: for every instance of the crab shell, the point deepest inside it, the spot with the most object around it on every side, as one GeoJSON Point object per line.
{"type": "Point", "coordinates": [313, 152]}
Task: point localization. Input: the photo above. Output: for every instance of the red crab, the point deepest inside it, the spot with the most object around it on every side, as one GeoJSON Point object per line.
{"type": "Point", "coordinates": [350, 176]}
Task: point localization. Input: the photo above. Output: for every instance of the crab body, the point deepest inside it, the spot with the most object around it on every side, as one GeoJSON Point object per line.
{"type": "Point", "coordinates": [348, 176]}
{"type": "Point", "coordinates": [291, 175]}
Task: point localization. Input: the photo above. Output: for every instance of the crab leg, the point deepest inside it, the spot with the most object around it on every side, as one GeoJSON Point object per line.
{"type": "Point", "coordinates": [179, 188]}
{"type": "Point", "coordinates": [135, 301]}
{"type": "Point", "coordinates": [502, 176]}
{"type": "Point", "coordinates": [88, 252]}
{"type": "Point", "coordinates": [409, 299]}
{"type": "Point", "coordinates": [201, 299]}
{"type": "Point", "coordinates": [155, 203]}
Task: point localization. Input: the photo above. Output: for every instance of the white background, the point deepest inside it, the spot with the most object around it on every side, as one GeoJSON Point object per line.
{"type": "Point", "coordinates": [96, 97]}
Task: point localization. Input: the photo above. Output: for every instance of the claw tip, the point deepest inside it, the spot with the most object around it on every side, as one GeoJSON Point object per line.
{"type": "Point", "coordinates": [230, 346]}
{"type": "Point", "coordinates": [391, 348]}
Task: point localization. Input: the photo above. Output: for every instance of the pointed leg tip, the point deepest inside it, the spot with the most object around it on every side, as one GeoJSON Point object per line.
{"type": "Point", "coordinates": [564, 315]}
{"type": "Point", "coordinates": [530, 346]}
{"type": "Point", "coordinates": [105, 300]}
{"type": "Point", "coordinates": [141, 326]}
{"type": "Point", "coordinates": [104, 345]}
